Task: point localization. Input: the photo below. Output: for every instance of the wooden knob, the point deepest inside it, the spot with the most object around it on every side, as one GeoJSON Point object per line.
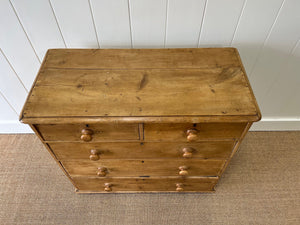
{"type": "Point", "coordinates": [86, 135]}
{"type": "Point", "coordinates": [95, 155]}
{"type": "Point", "coordinates": [192, 135]}
{"type": "Point", "coordinates": [102, 171]}
{"type": "Point", "coordinates": [107, 187]}
{"type": "Point", "coordinates": [187, 152]}
{"type": "Point", "coordinates": [179, 187]}
{"type": "Point", "coordinates": [183, 171]}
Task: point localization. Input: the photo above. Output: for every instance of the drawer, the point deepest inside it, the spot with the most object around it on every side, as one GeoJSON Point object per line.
{"type": "Point", "coordinates": [88, 133]}
{"type": "Point", "coordinates": [199, 184]}
{"type": "Point", "coordinates": [97, 151]}
{"type": "Point", "coordinates": [144, 167]}
{"type": "Point", "coordinates": [192, 132]}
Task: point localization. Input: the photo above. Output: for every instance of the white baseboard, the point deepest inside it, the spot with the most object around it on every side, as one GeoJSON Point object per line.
{"type": "Point", "coordinates": [276, 124]}
{"type": "Point", "coordinates": [14, 127]}
{"type": "Point", "coordinates": [266, 124]}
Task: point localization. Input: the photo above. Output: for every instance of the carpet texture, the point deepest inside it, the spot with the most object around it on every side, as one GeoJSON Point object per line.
{"type": "Point", "coordinates": [260, 186]}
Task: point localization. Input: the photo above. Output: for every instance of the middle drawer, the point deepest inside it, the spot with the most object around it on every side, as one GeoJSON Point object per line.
{"type": "Point", "coordinates": [97, 151]}
{"type": "Point", "coordinates": [144, 168]}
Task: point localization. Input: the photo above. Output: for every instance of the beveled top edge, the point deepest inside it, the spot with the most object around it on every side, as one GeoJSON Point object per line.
{"type": "Point", "coordinates": [153, 119]}
{"type": "Point", "coordinates": [138, 119]}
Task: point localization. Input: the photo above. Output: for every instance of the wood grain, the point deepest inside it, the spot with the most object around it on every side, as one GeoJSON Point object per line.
{"type": "Point", "coordinates": [207, 150]}
{"type": "Point", "coordinates": [143, 120]}
{"type": "Point", "coordinates": [73, 132]}
{"type": "Point", "coordinates": [122, 84]}
{"type": "Point", "coordinates": [142, 58]}
{"type": "Point", "coordinates": [91, 184]}
{"type": "Point", "coordinates": [206, 131]}
{"type": "Point", "coordinates": [144, 167]}
{"type": "Point", "coordinates": [139, 119]}
{"type": "Point", "coordinates": [149, 92]}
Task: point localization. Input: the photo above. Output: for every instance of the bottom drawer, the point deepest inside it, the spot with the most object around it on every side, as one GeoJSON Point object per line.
{"type": "Point", "coordinates": [113, 185]}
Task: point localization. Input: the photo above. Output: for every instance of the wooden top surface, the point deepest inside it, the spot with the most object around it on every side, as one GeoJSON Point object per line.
{"type": "Point", "coordinates": [187, 85]}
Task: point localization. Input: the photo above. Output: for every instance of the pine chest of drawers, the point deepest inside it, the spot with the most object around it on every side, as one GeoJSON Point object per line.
{"type": "Point", "coordinates": [141, 120]}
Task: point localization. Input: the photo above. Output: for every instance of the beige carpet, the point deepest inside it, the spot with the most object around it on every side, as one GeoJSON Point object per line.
{"type": "Point", "coordinates": [260, 186]}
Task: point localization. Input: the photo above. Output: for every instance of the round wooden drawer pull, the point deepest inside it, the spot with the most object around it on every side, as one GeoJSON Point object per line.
{"type": "Point", "coordinates": [107, 187]}
{"type": "Point", "coordinates": [183, 170]}
{"type": "Point", "coordinates": [187, 152]}
{"type": "Point", "coordinates": [179, 187]}
{"type": "Point", "coordinates": [95, 155]}
{"type": "Point", "coordinates": [102, 171]}
{"type": "Point", "coordinates": [192, 135]}
{"type": "Point", "coordinates": [86, 135]}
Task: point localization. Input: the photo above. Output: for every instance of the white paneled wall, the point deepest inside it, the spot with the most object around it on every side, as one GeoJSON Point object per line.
{"type": "Point", "coordinates": [220, 22]}
{"type": "Point", "coordinates": [267, 34]}
{"type": "Point", "coordinates": [75, 20]}
{"type": "Point", "coordinates": [184, 23]}
{"type": "Point", "coordinates": [10, 85]}
{"type": "Point", "coordinates": [9, 119]}
{"type": "Point", "coordinates": [290, 106]}
{"type": "Point", "coordinates": [148, 23]}
{"type": "Point", "coordinates": [112, 23]}
{"type": "Point", "coordinates": [40, 24]}
{"type": "Point", "coordinates": [16, 46]}
{"type": "Point", "coordinates": [254, 26]}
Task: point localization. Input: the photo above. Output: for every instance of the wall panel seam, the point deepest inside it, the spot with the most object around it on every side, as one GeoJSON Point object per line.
{"type": "Point", "coordinates": [290, 98]}
{"type": "Point", "coordinates": [5, 99]}
{"type": "Point", "coordinates": [130, 25]}
{"type": "Point", "coordinates": [62, 36]}
{"type": "Point", "coordinates": [239, 21]}
{"type": "Point", "coordinates": [94, 25]}
{"type": "Point", "coordinates": [23, 28]}
{"type": "Point", "coordinates": [13, 70]}
{"type": "Point", "coordinates": [202, 22]}
{"type": "Point", "coordinates": [266, 39]}
{"type": "Point", "coordinates": [275, 80]}
{"type": "Point", "coordinates": [166, 22]}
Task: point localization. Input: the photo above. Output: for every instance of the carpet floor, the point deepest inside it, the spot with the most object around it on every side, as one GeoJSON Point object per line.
{"type": "Point", "coordinates": [260, 186]}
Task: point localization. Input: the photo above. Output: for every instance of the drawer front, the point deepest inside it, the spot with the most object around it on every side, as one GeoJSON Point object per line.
{"type": "Point", "coordinates": [90, 184]}
{"type": "Point", "coordinates": [145, 167]}
{"type": "Point", "coordinates": [90, 133]}
{"type": "Point", "coordinates": [192, 132]}
{"type": "Point", "coordinates": [98, 151]}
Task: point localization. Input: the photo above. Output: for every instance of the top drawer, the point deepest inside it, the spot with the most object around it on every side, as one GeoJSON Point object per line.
{"type": "Point", "coordinates": [192, 132]}
{"type": "Point", "coordinates": [88, 133]}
